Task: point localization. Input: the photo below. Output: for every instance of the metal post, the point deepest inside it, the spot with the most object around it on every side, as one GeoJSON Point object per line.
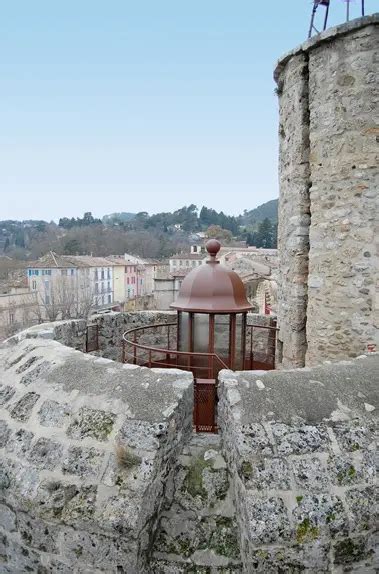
{"type": "Point", "coordinates": [251, 348]}
{"type": "Point", "coordinates": [232, 342]}
{"type": "Point", "coordinates": [211, 345]}
{"type": "Point", "coordinates": [363, 7]}
{"type": "Point", "coordinates": [243, 339]}
{"type": "Point", "coordinates": [190, 335]}
{"type": "Point", "coordinates": [347, 10]}
{"type": "Point", "coordinates": [315, 4]}
{"type": "Point", "coordinates": [326, 16]}
{"type": "Point", "coordinates": [135, 348]}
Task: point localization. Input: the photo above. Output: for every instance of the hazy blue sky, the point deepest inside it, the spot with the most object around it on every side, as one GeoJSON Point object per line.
{"type": "Point", "coordinates": [124, 105]}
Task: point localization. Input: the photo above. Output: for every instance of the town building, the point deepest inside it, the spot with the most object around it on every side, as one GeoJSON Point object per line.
{"type": "Point", "coordinates": [188, 261]}
{"type": "Point", "coordinates": [70, 286]}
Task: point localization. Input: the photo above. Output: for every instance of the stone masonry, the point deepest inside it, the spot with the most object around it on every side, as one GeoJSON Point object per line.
{"type": "Point", "coordinates": [329, 178]}
{"type": "Point", "coordinates": [300, 447]}
{"type": "Point", "coordinates": [100, 472]}
{"type": "Point", "coordinates": [87, 448]}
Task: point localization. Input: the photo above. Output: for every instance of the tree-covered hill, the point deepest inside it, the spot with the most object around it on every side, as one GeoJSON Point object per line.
{"type": "Point", "coordinates": [268, 210]}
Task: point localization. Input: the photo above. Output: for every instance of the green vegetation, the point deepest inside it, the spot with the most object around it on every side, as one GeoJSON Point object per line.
{"type": "Point", "coordinates": [306, 532]}
{"type": "Point", "coordinates": [157, 236]}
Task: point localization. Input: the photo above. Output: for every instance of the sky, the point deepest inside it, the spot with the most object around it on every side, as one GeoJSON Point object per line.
{"type": "Point", "coordinates": [144, 105]}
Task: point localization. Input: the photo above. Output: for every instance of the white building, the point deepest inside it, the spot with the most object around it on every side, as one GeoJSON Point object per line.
{"type": "Point", "coordinates": [70, 286]}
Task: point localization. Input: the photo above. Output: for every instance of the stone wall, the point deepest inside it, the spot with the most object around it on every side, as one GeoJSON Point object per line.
{"type": "Point", "coordinates": [300, 446]}
{"type": "Point", "coordinates": [87, 447]}
{"type": "Point", "coordinates": [328, 96]}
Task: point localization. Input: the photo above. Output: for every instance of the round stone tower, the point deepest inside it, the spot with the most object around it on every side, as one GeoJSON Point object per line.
{"type": "Point", "coordinates": [329, 179]}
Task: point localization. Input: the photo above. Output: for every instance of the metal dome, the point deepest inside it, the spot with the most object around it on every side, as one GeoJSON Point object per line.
{"type": "Point", "coordinates": [212, 288]}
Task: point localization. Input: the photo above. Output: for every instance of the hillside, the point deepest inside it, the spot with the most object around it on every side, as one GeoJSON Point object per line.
{"type": "Point", "coordinates": [267, 210]}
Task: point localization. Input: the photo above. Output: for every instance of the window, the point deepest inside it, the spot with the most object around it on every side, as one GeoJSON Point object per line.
{"type": "Point", "coordinates": [102, 274]}
{"type": "Point", "coordinates": [47, 299]}
{"type": "Point", "coordinates": [193, 263]}
{"type": "Point", "coordinates": [46, 284]}
{"type": "Point", "coordinates": [72, 272]}
{"type": "Point", "coordinates": [11, 318]}
{"type": "Point", "coordinates": [109, 285]}
{"type": "Point", "coordinates": [34, 285]}
{"type": "Point", "coordinates": [96, 288]}
{"type": "Point", "coordinates": [46, 271]}
{"type": "Point", "coordinates": [64, 272]}
{"type": "Point", "coordinates": [96, 275]}
{"type": "Point", "coordinates": [128, 280]}
{"type": "Point", "coordinates": [30, 272]}
{"type": "Point", "coordinates": [187, 263]}
{"type": "Point", "coordinates": [109, 273]}
{"type": "Point", "coordinates": [109, 298]}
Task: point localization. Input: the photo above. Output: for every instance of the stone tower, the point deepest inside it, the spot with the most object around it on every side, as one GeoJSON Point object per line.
{"type": "Point", "coordinates": [329, 179]}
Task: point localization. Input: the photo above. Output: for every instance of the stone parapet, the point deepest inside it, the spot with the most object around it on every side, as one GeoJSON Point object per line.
{"type": "Point", "coordinates": [300, 447]}
{"type": "Point", "coordinates": [87, 447]}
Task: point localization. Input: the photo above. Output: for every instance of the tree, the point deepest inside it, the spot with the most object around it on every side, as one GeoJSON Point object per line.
{"type": "Point", "coordinates": [216, 232]}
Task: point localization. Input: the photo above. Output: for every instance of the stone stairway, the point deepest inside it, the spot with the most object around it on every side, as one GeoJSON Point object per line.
{"type": "Point", "coordinates": [197, 532]}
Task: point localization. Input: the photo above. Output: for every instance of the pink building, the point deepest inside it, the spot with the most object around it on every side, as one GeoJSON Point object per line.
{"type": "Point", "coordinates": [134, 280]}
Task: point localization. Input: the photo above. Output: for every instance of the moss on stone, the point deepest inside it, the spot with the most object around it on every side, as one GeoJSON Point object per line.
{"type": "Point", "coordinates": [224, 540]}
{"type": "Point", "coordinates": [193, 483]}
{"type": "Point", "coordinates": [306, 532]}
{"type": "Point", "coordinates": [246, 470]}
{"type": "Point", "coordinates": [299, 499]}
{"type": "Point", "coordinates": [346, 475]}
{"type": "Point", "coordinates": [349, 550]}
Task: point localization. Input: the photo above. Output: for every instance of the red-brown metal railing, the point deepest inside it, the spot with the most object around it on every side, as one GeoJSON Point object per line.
{"type": "Point", "coordinates": [146, 355]}
{"type": "Point", "coordinates": [263, 358]}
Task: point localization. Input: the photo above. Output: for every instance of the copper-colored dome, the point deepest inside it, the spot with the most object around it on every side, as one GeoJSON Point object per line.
{"type": "Point", "coordinates": [212, 288]}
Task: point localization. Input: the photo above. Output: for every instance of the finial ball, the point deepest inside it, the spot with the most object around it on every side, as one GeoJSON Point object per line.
{"type": "Point", "coordinates": [213, 247]}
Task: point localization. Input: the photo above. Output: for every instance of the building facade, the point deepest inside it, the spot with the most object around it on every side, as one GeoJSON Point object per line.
{"type": "Point", "coordinates": [71, 286]}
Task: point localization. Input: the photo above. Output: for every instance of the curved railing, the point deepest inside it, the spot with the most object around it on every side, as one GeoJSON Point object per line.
{"type": "Point", "coordinates": [203, 365]}
{"type": "Point", "coordinates": [163, 352]}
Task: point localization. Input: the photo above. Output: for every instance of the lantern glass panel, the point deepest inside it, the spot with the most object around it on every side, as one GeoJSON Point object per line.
{"type": "Point", "coordinates": [222, 343]}
{"type": "Point", "coordinates": [201, 333]}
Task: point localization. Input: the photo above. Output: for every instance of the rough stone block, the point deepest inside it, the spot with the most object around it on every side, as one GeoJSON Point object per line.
{"type": "Point", "coordinates": [141, 434]}
{"type": "Point", "coordinates": [7, 518]}
{"type": "Point", "coordinates": [37, 533]}
{"type": "Point", "coordinates": [253, 439]}
{"type": "Point", "coordinates": [36, 374]}
{"type": "Point", "coordinates": [95, 551]}
{"type": "Point", "coordinates": [300, 439]}
{"type": "Point", "coordinates": [350, 550]}
{"type": "Point", "coordinates": [19, 443]}
{"type": "Point", "coordinates": [310, 474]}
{"type": "Point", "coordinates": [361, 509]}
{"type": "Point", "coordinates": [4, 433]}
{"type": "Point", "coordinates": [312, 558]}
{"type": "Point", "coordinates": [53, 497]}
{"type": "Point", "coordinates": [91, 423]}
{"type": "Point", "coordinates": [46, 453]}
{"type": "Point", "coordinates": [80, 508]}
{"type": "Point", "coordinates": [263, 473]}
{"type": "Point", "coordinates": [28, 363]}
{"type": "Point", "coordinates": [6, 393]}
{"type": "Point", "coordinates": [352, 437]}
{"type": "Point", "coordinates": [348, 469]}
{"type": "Point", "coordinates": [23, 408]}
{"type": "Point", "coordinates": [267, 519]}
{"type": "Point", "coordinates": [53, 414]}
{"type": "Point", "coordinates": [84, 462]}
{"type": "Point", "coordinates": [318, 515]}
